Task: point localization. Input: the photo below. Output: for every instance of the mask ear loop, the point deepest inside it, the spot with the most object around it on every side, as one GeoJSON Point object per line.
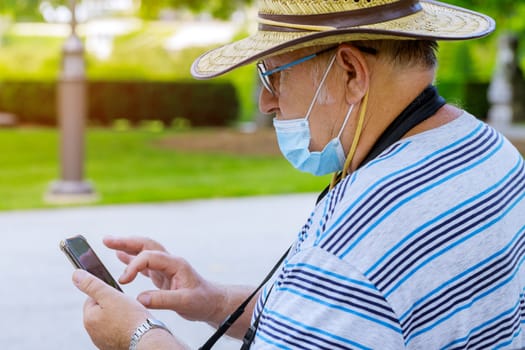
{"type": "Point", "coordinates": [345, 121]}
{"type": "Point", "coordinates": [318, 91]}
{"type": "Point", "coordinates": [337, 177]}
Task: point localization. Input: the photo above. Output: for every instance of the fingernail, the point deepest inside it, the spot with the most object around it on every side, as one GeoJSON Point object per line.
{"type": "Point", "coordinates": [78, 276]}
{"type": "Point", "coordinates": [144, 299]}
{"type": "Point", "coordinates": [124, 275]}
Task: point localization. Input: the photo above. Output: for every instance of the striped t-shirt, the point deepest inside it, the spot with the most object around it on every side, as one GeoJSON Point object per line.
{"type": "Point", "coordinates": [422, 248]}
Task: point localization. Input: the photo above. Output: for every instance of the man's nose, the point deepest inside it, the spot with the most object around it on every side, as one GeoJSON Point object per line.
{"type": "Point", "coordinates": [268, 103]}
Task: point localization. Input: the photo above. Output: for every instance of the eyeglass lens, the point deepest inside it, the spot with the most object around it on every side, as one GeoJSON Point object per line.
{"type": "Point", "coordinates": [265, 79]}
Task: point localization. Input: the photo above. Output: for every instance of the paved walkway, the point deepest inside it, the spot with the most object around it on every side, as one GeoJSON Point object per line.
{"type": "Point", "coordinates": [227, 240]}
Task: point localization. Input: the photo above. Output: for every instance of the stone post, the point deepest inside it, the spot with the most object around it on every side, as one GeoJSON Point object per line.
{"type": "Point", "coordinates": [72, 110]}
{"type": "Point", "coordinates": [506, 90]}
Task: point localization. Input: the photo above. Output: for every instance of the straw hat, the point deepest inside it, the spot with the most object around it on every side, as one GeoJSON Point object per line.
{"type": "Point", "coordinates": [286, 25]}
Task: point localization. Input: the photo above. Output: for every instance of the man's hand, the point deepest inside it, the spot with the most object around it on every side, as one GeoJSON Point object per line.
{"type": "Point", "coordinates": [110, 317]}
{"type": "Point", "coordinates": [128, 248]}
{"type": "Point", "coordinates": [181, 288]}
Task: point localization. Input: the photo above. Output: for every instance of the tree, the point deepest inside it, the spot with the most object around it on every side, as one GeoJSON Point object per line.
{"type": "Point", "coordinates": [29, 9]}
{"type": "Point", "coordinates": [507, 13]}
{"type": "Point", "coordinates": [20, 9]}
{"type": "Point", "coordinates": [217, 8]}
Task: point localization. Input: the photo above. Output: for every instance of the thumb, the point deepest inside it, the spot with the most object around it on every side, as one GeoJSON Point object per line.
{"type": "Point", "coordinates": [91, 285]}
{"type": "Point", "coordinates": [160, 299]}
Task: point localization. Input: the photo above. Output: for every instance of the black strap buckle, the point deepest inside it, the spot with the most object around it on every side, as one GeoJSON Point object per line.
{"type": "Point", "coordinates": [248, 338]}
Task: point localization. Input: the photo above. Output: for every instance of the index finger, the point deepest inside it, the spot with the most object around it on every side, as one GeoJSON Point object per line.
{"type": "Point", "coordinates": [153, 261]}
{"type": "Point", "coordinates": [132, 245]}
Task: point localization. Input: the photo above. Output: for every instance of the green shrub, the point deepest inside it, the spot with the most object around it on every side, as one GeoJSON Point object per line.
{"type": "Point", "coordinates": [32, 102]}
{"type": "Point", "coordinates": [200, 103]}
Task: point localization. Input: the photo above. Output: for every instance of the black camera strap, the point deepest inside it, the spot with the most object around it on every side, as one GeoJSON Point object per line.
{"type": "Point", "coordinates": [423, 107]}
{"type": "Point", "coordinates": [248, 338]}
{"type": "Point", "coordinates": [228, 322]}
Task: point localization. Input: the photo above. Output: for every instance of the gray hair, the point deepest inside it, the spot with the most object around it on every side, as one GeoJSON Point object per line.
{"type": "Point", "coordinates": [406, 53]}
{"type": "Point", "coordinates": [401, 53]}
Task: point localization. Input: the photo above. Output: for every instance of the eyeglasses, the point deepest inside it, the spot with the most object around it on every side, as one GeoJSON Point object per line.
{"type": "Point", "coordinates": [264, 73]}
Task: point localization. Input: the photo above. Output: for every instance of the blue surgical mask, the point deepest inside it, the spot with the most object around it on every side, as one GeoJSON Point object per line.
{"type": "Point", "coordinates": [293, 136]}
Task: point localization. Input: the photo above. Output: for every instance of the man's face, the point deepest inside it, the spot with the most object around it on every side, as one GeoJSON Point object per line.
{"type": "Point", "coordinates": [295, 89]}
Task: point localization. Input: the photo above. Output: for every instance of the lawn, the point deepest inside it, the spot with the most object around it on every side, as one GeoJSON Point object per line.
{"type": "Point", "coordinates": [137, 166]}
{"type": "Point", "coordinates": [140, 165]}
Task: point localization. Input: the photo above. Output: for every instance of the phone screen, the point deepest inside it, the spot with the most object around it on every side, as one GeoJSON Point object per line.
{"type": "Point", "coordinates": [83, 256]}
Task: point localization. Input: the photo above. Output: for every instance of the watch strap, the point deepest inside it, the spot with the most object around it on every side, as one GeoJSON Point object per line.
{"type": "Point", "coordinates": [148, 325]}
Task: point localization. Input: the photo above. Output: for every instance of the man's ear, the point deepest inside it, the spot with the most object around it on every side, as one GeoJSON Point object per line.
{"type": "Point", "coordinates": [356, 72]}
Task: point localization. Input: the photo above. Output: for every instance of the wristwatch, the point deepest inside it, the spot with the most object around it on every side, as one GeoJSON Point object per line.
{"type": "Point", "coordinates": [149, 324]}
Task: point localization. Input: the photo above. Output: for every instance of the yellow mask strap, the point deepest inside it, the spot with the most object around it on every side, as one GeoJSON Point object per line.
{"type": "Point", "coordinates": [336, 178]}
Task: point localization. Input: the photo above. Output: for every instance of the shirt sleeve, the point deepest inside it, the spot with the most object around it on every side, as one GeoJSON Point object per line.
{"type": "Point", "coordinates": [321, 302]}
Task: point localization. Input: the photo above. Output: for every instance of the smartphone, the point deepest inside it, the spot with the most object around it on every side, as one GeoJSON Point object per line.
{"type": "Point", "coordinates": [82, 256]}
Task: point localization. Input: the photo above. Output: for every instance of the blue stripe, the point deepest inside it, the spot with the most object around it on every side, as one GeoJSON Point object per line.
{"type": "Point", "coordinates": [316, 330]}
{"type": "Point", "coordinates": [424, 160]}
{"type": "Point", "coordinates": [483, 325]}
{"type": "Point", "coordinates": [326, 209]}
{"type": "Point", "coordinates": [394, 185]}
{"type": "Point", "coordinates": [438, 218]}
{"type": "Point", "coordinates": [295, 336]}
{"type": "Point", "coordinates": [272, 330]}
{"type": "Point", "coordinates": [455, 244]}
{"type": "Point", "coordinates": [496, 335]}
{"type": "Point", "coordinates": [389, 153]}
{"type": "Point", "coordinates": [350, 300]}
{"type": "Point", "coordinates": [463, 274]}
{"type": "Point", "coordinates": [269, 341]}
{"type": "Point", "coordinates": [446, 232]}
{"type": "Point", "coordinates": [409, 181]}
{"type": "Point", "coordinates": [507, 343]}
{"type": "Point", "coordinates": [346, 183]}
{"type": "Point", "coordinates": [333, 274]}
{"type": "Point", "coordinates": [505, 268]}
{"type": "Point", "coordinates": [419, 193]}
{"type": "Point", "coordinates": [340, 308]}
{"type": "Point", "coordinates": [328, 284]}
{"type": "Point", "coordinates": [500, 335]}
{"type": "Point", "coordinates": [260, 302]}
{"type": "Point", "coordinates": [468, 305]}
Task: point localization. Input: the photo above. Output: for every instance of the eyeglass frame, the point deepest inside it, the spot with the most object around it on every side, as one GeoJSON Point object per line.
{"type": "Point", "coordinates": [264, 73]}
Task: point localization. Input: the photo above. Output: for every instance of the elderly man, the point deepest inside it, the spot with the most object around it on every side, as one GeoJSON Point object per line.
{"type": "Point", "coordinates": [417, 243]}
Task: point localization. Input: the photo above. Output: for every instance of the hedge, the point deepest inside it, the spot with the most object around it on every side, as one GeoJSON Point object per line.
{"type": "Point", "coordinates": [200, 103]}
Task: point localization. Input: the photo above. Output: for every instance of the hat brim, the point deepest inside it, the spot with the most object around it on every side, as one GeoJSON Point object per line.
{"type": "Point", "coordinates": [436, 21]}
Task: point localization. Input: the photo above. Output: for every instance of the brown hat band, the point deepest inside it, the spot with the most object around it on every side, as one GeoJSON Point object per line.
{"type": "Point", "coordinates": [339, 20]}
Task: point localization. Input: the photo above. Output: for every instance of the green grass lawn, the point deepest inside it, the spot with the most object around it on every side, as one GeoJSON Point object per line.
{"type": "Point", "coordinates": [131, 167]}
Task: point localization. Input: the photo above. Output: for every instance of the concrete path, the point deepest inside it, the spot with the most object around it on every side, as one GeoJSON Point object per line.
{"type": "Point", "coordinates": [227, 240]}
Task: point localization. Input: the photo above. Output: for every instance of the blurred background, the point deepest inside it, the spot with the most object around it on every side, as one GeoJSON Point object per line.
{"type": "Point", "coordinates": [98, 108]}
{"type": "Point", "coordinates": [137, 114]}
